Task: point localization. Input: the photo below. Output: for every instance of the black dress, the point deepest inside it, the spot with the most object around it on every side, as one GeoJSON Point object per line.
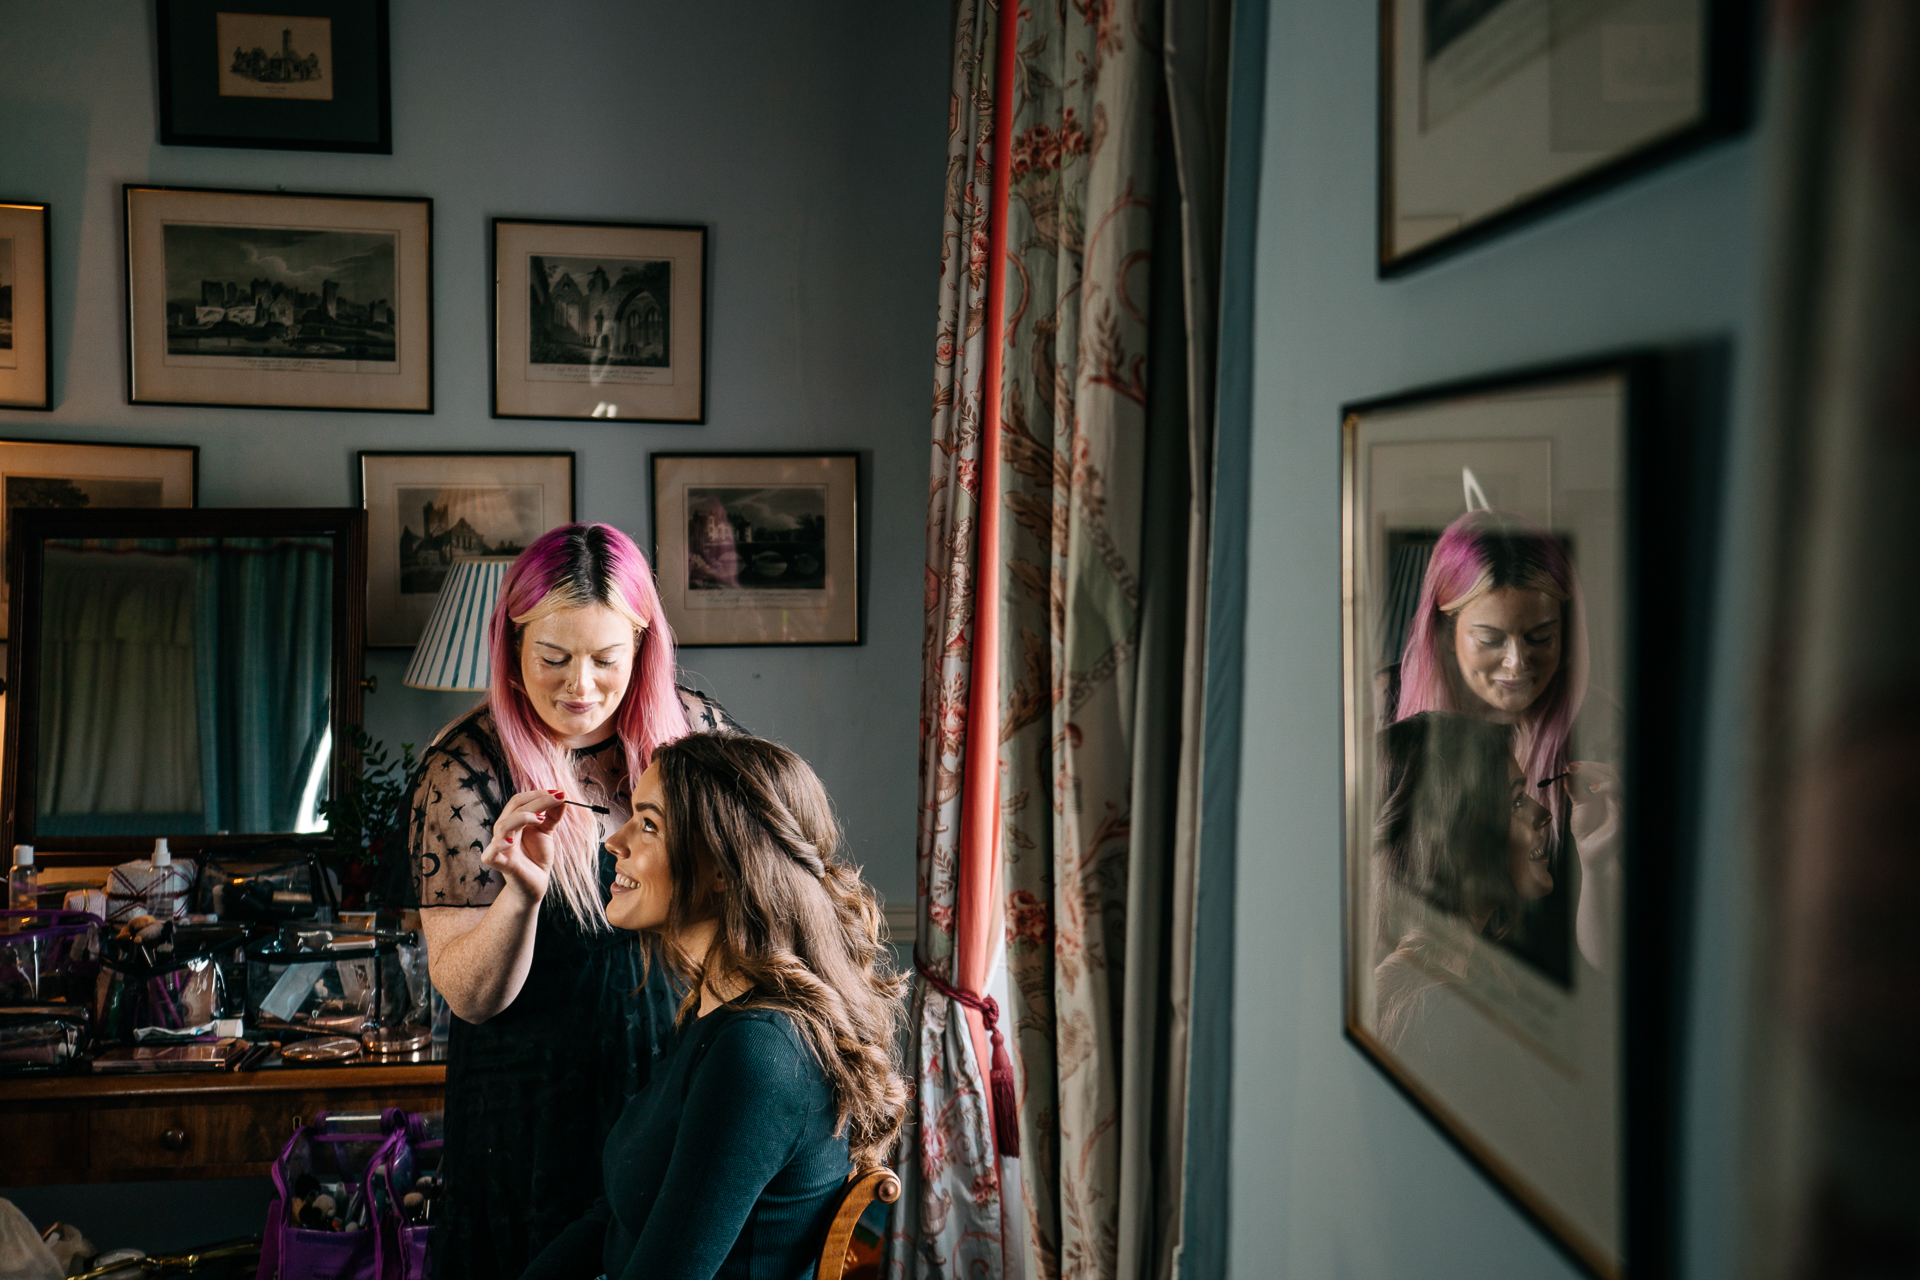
{"type": "Point", "coordinates": [727, 1167]}
{"type": "Point", "coordinates": [533, 1091]}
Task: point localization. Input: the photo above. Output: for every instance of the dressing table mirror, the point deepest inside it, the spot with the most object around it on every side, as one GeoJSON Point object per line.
{"type": "Point", "coordinates": [190, 674]}
{"type": "Point", "coordinates": [183, 673]}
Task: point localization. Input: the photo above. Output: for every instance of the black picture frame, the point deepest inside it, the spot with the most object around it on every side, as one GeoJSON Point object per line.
{"type": "Point", "coordinates": [193, 112]}
{"type": "Point", "coordinates": [17, 390]}
{"type": "Point", "coordinates": [1673, 430]}
{"type": "Point", "coordinates": [385, 631]}
{"type": "Point", "coordinates": [579, 235]}
{"type": "Point", "coordinates": [1728, 48]}
{"type": "Point", "coordinates": [142, 235]}
{"type": "Point", "coordinates": [345, 526]}
{"type": "Point", "coordinates": [839, 622]}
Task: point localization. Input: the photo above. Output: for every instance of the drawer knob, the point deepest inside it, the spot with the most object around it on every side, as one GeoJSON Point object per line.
{"type": "Point", "coordinates": [174, 1140]}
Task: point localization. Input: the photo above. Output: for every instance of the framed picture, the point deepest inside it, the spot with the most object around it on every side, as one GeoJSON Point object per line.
{"type": "Point", "coordinates": [73, 474]}
{"type": "Point", "coordinates": [758, 548]}
{"type": "Point", "coordinates": [306, 75]}
{"type": "Point", "coordinates": [599, 320]}
{"type": "Point", "coordinates": [1516, 653]}
{"type": "Point", "coordinates": [1496, 111]}
{"type": "Point", "coordinates": [26, 308]}
{"type": "Point", "coordinates": [263, 299]}
{"type": "Point", "coordinates": [426, 510]}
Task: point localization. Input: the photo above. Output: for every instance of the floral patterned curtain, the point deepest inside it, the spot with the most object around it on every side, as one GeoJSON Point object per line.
{"type": "Point", "coordinates": [1079, 229]}
{"type": "Point", "coordinates": [1058, 676]}
{"type": "Point", "coordinates": [949, 1221]}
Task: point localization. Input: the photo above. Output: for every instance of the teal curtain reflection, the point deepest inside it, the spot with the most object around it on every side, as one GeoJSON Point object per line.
{"type": "Point", "coordinates": [263, 665]}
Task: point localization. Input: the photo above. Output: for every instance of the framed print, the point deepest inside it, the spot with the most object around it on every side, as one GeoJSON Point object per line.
{"type": "Point", "coordinates": [427, 510]}
{"type": "Point", "coordinates": [263, 299]}
{"type": "Point", "coordinates": [599, 320]}
{"type": "Point", "coordinates": [73, 474]}
{"type": "Point", "coordinates": [758, 548]}
{"type": "Point", "coordinates": [1496, 111]}
{"type": "Point", "coordinates": [26, 308]}
{"type": "Point", "coordinates": [1515, 674]}
{"type": "Point", "coordinates": [307, 75]}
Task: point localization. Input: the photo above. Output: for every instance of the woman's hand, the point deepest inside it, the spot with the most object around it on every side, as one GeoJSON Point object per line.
{"type": "Point", "coordinates": [1595, 791]}
{"type": "Point", "coordinates": [523, 846]}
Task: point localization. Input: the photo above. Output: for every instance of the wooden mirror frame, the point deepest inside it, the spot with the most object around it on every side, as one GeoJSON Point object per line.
{"type": "Point", "coordinates": [26, 569]}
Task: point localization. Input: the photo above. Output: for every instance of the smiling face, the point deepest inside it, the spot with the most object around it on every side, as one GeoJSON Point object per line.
{"type": "Point", "coordinates": [575, 665]}
{"type": "Point", "coordinates": [1506, 646]}
{"type": "Point", "coordinates": [642, 882]}
{"type": "Point", "coordinates": [1527, 838]}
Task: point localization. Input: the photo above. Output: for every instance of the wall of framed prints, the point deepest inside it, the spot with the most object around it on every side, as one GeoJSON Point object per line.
{"type": "Point", "coordinates": [1366, 1143]}
{"type": "Point", "coordinates": [811, 154]}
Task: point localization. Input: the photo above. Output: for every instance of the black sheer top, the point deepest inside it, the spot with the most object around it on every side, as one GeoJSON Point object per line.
{"type": "Point", "coordinates": [533, 1091]}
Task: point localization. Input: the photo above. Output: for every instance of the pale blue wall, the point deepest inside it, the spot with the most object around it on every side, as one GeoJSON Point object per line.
{"type": "Point", "coordinates": [1333, 1173]}
{"type": "Point", "coordinates": [810, 138]}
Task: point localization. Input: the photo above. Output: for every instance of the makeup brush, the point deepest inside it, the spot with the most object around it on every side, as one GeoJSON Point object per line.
{"type": "Point", "coordinates": [1543, 785]}
{"type": "Point", "coordinates": [600, 808]}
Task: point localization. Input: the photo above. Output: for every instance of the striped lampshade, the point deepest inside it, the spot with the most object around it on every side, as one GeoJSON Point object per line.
{"type": "Point", "coordinates": [452, 653]}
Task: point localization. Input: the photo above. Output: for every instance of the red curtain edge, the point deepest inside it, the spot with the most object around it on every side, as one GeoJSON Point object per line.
{"type": "Point", "coordinates": [978, 905]}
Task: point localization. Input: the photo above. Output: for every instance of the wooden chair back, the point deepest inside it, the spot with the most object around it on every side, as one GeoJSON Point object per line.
{"type": "Point", "coordinates": [863, 1188]}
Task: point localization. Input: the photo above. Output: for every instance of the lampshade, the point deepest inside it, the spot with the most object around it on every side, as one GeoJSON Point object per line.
{"type": "Point", "coordinates": [452, 653]}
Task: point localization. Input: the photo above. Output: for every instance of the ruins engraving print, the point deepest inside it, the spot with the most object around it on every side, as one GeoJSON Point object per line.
{"type": "Point", "coordinates": [266, 55]}
{"type": "Point", "coordinates": [599, 320]}
{"type": "Point", "coordinates": [462, 522]}
{"type": "Point", "coordinates": [7, 358]}
{"type": "Point", "coordinates": [281, 297]}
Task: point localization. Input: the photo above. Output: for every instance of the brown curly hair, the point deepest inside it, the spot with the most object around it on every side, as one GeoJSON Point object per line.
{"type": "Point", "coordinates": [795, 920]}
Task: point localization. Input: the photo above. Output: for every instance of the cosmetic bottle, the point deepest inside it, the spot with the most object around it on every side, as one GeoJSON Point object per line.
{"type": "Point", "coordinates": [157, 886]}
{"type": "Point", "coordinates": [23, 885]}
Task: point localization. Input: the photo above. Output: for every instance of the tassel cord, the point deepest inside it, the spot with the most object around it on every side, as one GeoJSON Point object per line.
{"type": "Point", "coordinates": [1006, 1109]}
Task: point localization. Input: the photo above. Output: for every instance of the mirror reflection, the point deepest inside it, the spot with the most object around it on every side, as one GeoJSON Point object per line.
{"type": "Point", "coordinates": [184, 685]}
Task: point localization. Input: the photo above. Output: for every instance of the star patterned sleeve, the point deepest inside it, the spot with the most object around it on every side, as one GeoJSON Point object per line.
{"type": "Point", "coordinates": [705, 714]}
{"type": "Point", "coordinates": [458, 797]}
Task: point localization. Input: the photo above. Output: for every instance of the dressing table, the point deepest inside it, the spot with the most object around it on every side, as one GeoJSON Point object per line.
{"type": "Point", "coordinates": [192, 674]}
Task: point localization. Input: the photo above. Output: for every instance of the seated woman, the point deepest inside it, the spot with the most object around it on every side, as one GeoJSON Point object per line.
{"type": "Point", "coordinates": [1457, 830]}
{"type": "Point", "coordinates": [784, 1078]}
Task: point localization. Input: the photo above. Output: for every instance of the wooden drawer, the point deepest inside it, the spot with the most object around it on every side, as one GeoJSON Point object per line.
{"type": "Point", "coordinates": [229, 1136]}
{"type": "Point", "coordinates": [44, 1146]}
{"type": "Point", "coordinates": [127, 1141]}
{"type": "Point", "coordinates": [82, 1129]}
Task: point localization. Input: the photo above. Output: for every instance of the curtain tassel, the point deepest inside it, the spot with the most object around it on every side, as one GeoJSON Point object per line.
{"type": "Point", "coordinates": [1006, 1108]}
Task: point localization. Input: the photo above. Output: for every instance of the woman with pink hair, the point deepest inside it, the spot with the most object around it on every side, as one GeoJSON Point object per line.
{"type": "Point", "coordinates": [556, 1019]}
{"type": "Point", "coordinates": [1499, 633]}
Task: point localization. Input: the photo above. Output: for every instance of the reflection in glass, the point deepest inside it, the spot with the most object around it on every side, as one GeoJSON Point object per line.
{"type": "Point", "coordinates": [1457, 829]}
{"type": "Point", "coordinates": [184, 684]}
{"type": "Point", "coordinates": [1497, 633]}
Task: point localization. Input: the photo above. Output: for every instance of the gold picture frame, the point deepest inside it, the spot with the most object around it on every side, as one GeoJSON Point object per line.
{"type": "Point", "coordinates": [279, 300]}
{"type": "Point", "coordinates": [758, 548]}
{"type": "Point", "coordinates": [603, 320]}
{"type": "Point", "coordinates": [26, 307]}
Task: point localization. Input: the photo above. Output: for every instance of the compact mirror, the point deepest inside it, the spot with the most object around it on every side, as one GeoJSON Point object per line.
{"type": "Point", "coordinates": [179, 673]}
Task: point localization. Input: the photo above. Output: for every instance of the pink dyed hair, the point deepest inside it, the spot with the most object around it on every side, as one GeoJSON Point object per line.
{"type": "Point", "coordinates": [573, 567]}
{"type": "Point", "coordinates": [1485, 551]}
